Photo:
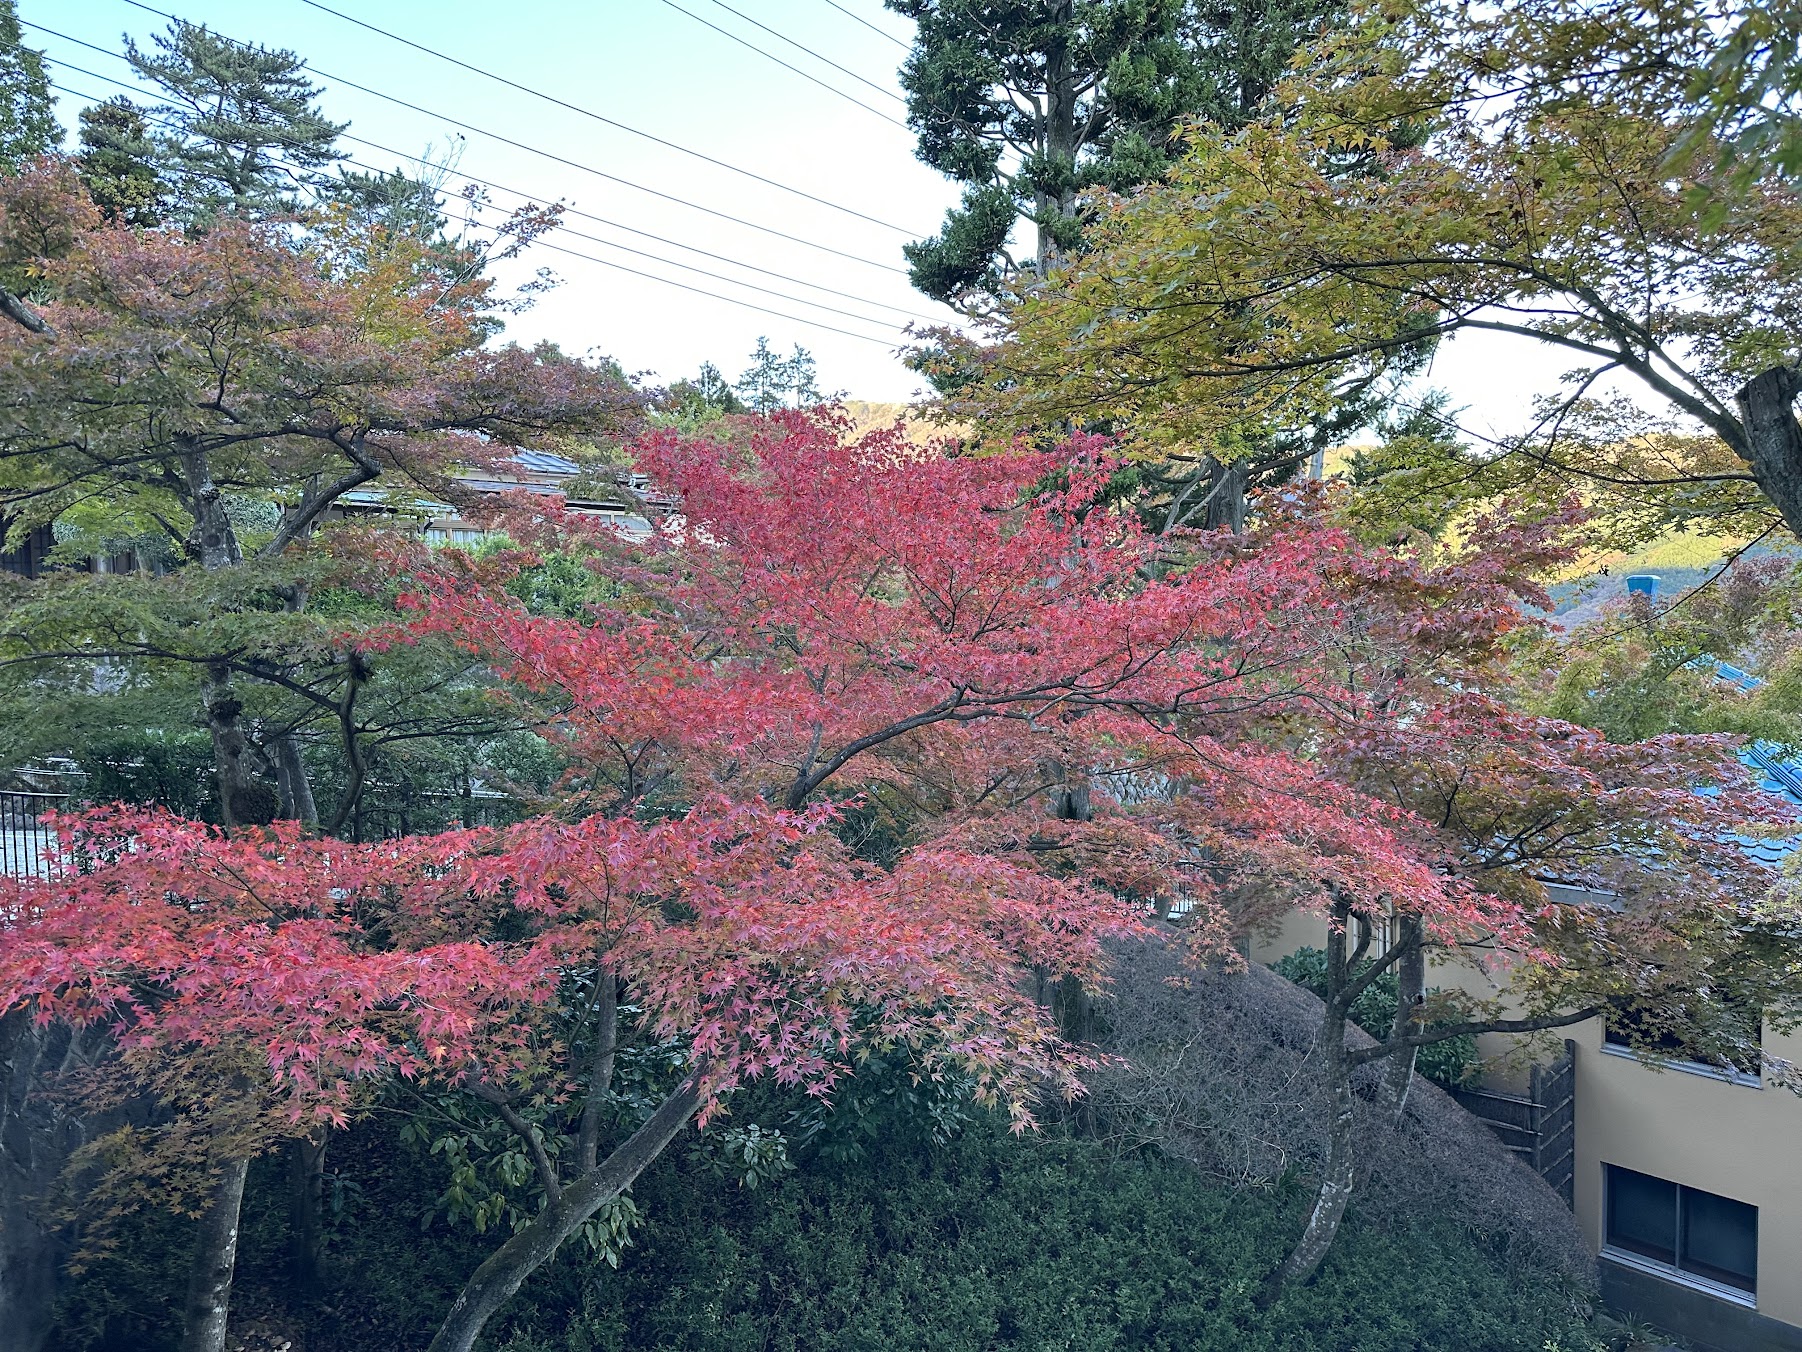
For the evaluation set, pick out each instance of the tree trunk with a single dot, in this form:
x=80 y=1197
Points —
x=1773 y=438
x=1410 y=992
x=1336 y=1178
x=36 y=1140
x=297 y=790
x=1226 y=498
x=495 y=1281
x=1059 y=137
x=306 y=1202
x=215 y=1258
x=214 y=542
x=243 y=799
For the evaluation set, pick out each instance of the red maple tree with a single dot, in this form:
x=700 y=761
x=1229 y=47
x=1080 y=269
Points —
x=1087 y=726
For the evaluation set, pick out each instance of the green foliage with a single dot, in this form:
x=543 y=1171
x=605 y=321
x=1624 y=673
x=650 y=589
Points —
x=1115 y=79
x=885 y=1106
x=27 y=124
x=995 y=1243
x=1645 y=669
x=118 y=163
x=694 y=404
x=1450 y=1062
x=248 y=132
x=773 y=381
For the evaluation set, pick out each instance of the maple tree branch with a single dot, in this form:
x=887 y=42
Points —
x=20 y=313
x=364 y=468
x=497 y=1098
x=1440 y=1032
x=600 y=1072
x=353 y=752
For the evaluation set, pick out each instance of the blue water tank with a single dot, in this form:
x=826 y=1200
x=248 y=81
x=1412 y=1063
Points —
x=1643 y=584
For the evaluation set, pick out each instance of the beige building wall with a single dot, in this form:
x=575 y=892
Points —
x=1739 y=1140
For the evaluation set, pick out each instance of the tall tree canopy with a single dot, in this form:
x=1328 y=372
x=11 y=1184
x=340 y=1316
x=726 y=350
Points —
x=246 y=135
x=1544 y=205
x=1026 y=104
x=27 y=120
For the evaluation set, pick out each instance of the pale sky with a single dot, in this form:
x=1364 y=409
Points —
x=647 y=64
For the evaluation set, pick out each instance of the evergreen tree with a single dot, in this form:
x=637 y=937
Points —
x=803 y=384
x=118 y=163
x=250 y=138
x=765 y=380
x=1027 y=103
x=27 y=125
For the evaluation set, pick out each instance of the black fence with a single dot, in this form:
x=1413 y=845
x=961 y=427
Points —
x=27 y=844
x=1542 y=1127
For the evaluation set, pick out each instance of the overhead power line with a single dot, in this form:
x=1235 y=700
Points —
x=567 y=163
x=430 y=165
x=574 y=253
x=603 y=119
x=880 y=32
x=798 y=46
x=770 y=56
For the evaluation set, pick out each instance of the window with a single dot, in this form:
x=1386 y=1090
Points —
x=1734 y=1046
x=1683 y=1230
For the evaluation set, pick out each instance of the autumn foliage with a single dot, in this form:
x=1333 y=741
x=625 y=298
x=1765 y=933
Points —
x=1072 y=728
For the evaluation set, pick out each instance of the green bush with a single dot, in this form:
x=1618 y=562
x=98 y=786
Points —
x=1041 y=1243
x=1450 y=1062
x=982 y=1243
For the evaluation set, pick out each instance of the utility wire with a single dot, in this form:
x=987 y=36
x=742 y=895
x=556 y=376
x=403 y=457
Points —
x=568 y=210
x=573 y=253
x=608 y=121
x=568 y=163
x=879 y=32
x=767 y=56
x=802 y=47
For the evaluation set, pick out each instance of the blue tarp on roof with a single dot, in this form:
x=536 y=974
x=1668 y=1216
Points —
x=1778 y=774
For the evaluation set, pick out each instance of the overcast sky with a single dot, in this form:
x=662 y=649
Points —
x=650 y=66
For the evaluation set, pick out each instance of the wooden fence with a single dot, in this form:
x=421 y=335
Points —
x=1542 y=1127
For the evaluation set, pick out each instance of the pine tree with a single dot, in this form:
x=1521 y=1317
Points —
x=118 y=163
x=27 y=125
x=249 y=137
x=765 y=380
x=1026 y=104
x=800 y=373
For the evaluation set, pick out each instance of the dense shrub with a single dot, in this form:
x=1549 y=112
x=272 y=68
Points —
x=1042 y=1243
x=1449 y=1063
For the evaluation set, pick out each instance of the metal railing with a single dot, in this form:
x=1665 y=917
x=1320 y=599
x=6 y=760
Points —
x=27 y=844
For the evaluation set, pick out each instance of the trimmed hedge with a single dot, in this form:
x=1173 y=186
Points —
x=1042 y=1243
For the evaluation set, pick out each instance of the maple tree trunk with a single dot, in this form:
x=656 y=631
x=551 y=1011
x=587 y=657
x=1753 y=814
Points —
x=495 y=1281
x=1411 y=990
x=297 y=790
x=242 y=801
x=1336 y=1176
x=215 y=1258
x=1335 y=1187
x=36 y=1140
x=1773 y=438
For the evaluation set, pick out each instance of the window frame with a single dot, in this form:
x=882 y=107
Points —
x=1675 y=1272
